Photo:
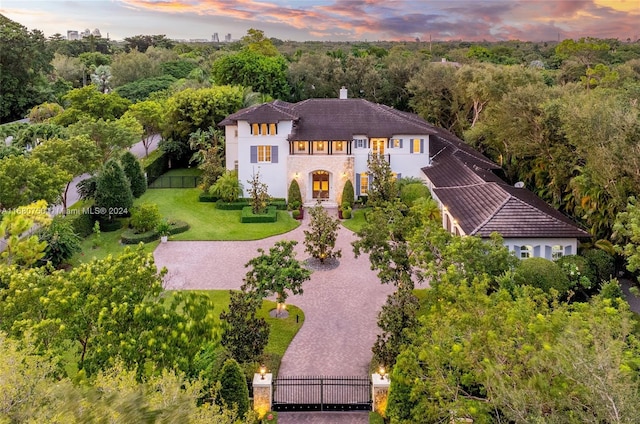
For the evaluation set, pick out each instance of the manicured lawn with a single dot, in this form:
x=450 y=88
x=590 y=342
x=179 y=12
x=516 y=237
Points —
x=356 y=222
x=283 y=330
x=109 y=245
x=209 y=223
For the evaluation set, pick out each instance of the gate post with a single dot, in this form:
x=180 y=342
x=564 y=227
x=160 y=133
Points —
x=380 y=392
x=262 y=393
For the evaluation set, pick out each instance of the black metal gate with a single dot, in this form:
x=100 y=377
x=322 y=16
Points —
x=322 y=393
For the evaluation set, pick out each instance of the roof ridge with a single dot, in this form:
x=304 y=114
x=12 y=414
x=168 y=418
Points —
x=491 y=215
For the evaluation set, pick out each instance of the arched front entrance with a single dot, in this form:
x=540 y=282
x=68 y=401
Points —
x=320 y=184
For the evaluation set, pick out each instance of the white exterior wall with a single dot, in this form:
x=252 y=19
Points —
x=231 y=146
x=542 y=247
x=272 y=174
x=402 y=161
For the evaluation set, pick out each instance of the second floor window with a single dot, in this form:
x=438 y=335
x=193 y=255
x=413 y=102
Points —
x=264 y=154
x=264 y=129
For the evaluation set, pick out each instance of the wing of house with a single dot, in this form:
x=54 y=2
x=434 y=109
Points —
x=322 y=143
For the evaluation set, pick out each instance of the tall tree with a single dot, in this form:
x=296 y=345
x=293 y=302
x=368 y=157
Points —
x=244 y=334
x=109 y=136
x=133 y=170
x=149 y=114
x=320 y=238
x=75 y=155
x=23 y=63
x=113 y=196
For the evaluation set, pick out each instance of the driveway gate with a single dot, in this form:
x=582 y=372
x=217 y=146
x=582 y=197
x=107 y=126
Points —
x=321 y=393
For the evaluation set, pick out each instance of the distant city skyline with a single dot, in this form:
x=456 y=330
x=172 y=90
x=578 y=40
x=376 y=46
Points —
x=335 y=20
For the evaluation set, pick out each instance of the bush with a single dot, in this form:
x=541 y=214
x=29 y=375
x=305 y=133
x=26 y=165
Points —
x=577 y=270
x=81 y=220
x=542 y=273
x=233 y=387
x=346 y=213
x=294 y=198
x=62 y=241
x=601 y=263
x=177 y=227
x=113 y=191
x=132 y=237
x=279 y=204
x=249 y=217
x=232 y=206
x=364 y=199
x=412 y=192
x=109 y=226
x=348 y=195
x=227 y=187
x=156 y=164
x=296 y=213
x=207 y=198
x=145 y=217
x=375 y=418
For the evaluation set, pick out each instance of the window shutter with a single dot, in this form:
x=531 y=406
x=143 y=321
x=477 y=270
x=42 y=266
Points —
x=389 y=143
x=567 y=250
x=401 y=143
x=274 y=154
x=547 y=252
x=398 y=176
x=422 y=145
x=357 y=184
x=536 y=251
x=410 y=146
x=254 y=154
x=517 y=250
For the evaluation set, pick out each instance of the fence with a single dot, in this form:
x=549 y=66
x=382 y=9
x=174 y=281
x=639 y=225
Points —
x=171 y=181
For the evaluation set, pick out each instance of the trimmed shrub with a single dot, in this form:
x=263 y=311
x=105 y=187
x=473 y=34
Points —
x=156 y=164
x=348 y=195
x=177 y=227
x=131 y=237
x=296 y=214
x=231 y=206
x=412 y=192
x=279 y=204
x=133 y=170
x=294 y=197
x=110 y=226
x=346 y=213
x=80 y=219
x=249 y=217
x=207 y=198
x=233 y=387
x=542 y=273
x=113 y=191
x=145 y=217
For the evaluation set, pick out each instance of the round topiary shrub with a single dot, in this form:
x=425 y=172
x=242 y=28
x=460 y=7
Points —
x=542 y=273
x=346 y=213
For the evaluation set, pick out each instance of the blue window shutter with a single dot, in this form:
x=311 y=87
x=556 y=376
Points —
x=357 y=184
x=547 y=252
x=398 y=176
x=516 y=249
x=274 y=154
x=567 y=250
x=422 y=145
x=410 y=146
x=254 y=154
x=536 y=251
x=401 y=143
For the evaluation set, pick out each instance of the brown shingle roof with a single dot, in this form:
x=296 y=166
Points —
x=265 y=113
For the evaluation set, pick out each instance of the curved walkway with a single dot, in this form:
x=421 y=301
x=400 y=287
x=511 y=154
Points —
x=340 y=305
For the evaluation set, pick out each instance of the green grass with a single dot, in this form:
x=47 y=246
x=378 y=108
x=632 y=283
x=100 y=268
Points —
x=209 y=223
x=283 y=330
x=109 y=245
x=356 y=222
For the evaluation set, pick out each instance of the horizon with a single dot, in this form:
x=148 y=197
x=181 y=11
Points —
x=335 y=20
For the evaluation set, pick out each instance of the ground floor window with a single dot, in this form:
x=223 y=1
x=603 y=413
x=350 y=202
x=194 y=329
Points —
x=557 y=252
x=364 y=183
x=526 y=252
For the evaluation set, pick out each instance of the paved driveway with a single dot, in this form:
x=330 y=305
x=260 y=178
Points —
x=340 y=305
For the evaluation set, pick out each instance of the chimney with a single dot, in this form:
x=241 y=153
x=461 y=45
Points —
x=343 y=93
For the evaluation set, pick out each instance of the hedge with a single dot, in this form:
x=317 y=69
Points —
x=249 y=217
x=242 y=203
x=131 y=237
x=109 y=226
x=178 y=227
x=206 y=197
x=156 y=164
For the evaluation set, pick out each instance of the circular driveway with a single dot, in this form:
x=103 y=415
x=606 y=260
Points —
x=340 y=305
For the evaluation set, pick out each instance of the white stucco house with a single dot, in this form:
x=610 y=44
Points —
x=322 y=143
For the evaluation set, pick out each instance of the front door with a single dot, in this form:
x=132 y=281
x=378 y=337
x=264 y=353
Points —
x=321 y=185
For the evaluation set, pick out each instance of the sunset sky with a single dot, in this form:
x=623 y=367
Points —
x=345 y=20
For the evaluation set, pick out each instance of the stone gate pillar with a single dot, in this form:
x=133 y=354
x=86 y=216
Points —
x=262 y=393
x=380 y=392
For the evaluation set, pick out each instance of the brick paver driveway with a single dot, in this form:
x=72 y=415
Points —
x=340 y=305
